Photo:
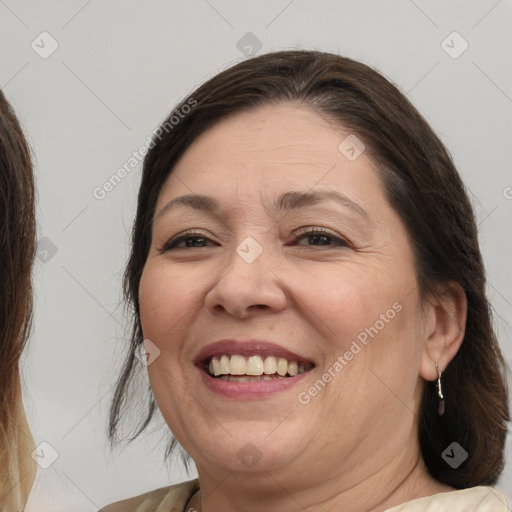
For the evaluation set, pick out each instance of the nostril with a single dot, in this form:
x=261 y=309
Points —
x=240 y=312
x=258 y=306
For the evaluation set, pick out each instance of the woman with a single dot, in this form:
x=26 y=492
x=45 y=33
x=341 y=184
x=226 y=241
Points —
x=17 y=250
x=306 y=277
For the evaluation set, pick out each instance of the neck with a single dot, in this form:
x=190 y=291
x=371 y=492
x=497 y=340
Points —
x=394 y=483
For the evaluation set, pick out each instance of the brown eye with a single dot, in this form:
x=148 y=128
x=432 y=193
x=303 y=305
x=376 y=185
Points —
x=322 y=237
x=185 y=241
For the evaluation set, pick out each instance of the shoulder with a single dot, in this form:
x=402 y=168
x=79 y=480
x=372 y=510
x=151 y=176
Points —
x=175 y=496
x=474 y=499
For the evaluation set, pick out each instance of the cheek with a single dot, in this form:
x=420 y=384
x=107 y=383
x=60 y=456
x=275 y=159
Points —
x=165 y=301
x=345 y=301
x=370 y=319
x=165 y=297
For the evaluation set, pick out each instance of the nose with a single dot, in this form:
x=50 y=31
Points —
x=246 y=289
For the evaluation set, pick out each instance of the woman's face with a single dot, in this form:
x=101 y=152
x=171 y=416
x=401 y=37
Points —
x=292 y=262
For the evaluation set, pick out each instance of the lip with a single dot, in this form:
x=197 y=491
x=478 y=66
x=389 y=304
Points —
x=248 y=390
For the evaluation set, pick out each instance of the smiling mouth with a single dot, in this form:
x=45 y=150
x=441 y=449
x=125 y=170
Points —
x=239 y=368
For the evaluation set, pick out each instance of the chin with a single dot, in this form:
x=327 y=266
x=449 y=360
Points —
x=249 y=448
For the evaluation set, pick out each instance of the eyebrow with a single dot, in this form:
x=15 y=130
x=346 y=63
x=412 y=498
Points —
x=292 y=200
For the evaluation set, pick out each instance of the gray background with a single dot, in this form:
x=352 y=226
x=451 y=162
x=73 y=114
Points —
x=118 y=70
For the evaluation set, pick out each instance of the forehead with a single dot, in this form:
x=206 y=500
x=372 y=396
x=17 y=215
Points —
x=270 y=148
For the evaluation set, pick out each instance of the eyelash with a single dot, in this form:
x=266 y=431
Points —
x=300 y=235
x=171 y=244
x=304 y=233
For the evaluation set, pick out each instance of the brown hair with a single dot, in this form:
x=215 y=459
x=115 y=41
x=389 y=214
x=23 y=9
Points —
x=17 y=251
x=421 y=184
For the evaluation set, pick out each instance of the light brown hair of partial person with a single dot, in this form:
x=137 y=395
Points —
x=422 y=185
x=17 y=251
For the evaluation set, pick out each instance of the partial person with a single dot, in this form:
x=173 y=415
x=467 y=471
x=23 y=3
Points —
x=17 y=251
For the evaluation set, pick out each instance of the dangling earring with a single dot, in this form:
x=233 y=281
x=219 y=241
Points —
x=440 y=410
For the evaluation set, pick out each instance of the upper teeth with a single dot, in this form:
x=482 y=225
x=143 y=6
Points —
x=253 y=365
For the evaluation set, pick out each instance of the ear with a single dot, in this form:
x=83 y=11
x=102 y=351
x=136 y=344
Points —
x=445 y=314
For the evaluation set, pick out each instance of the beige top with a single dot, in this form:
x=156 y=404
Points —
x=175 y=497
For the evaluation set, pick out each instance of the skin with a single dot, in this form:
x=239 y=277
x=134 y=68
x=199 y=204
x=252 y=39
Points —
x=354 y=446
